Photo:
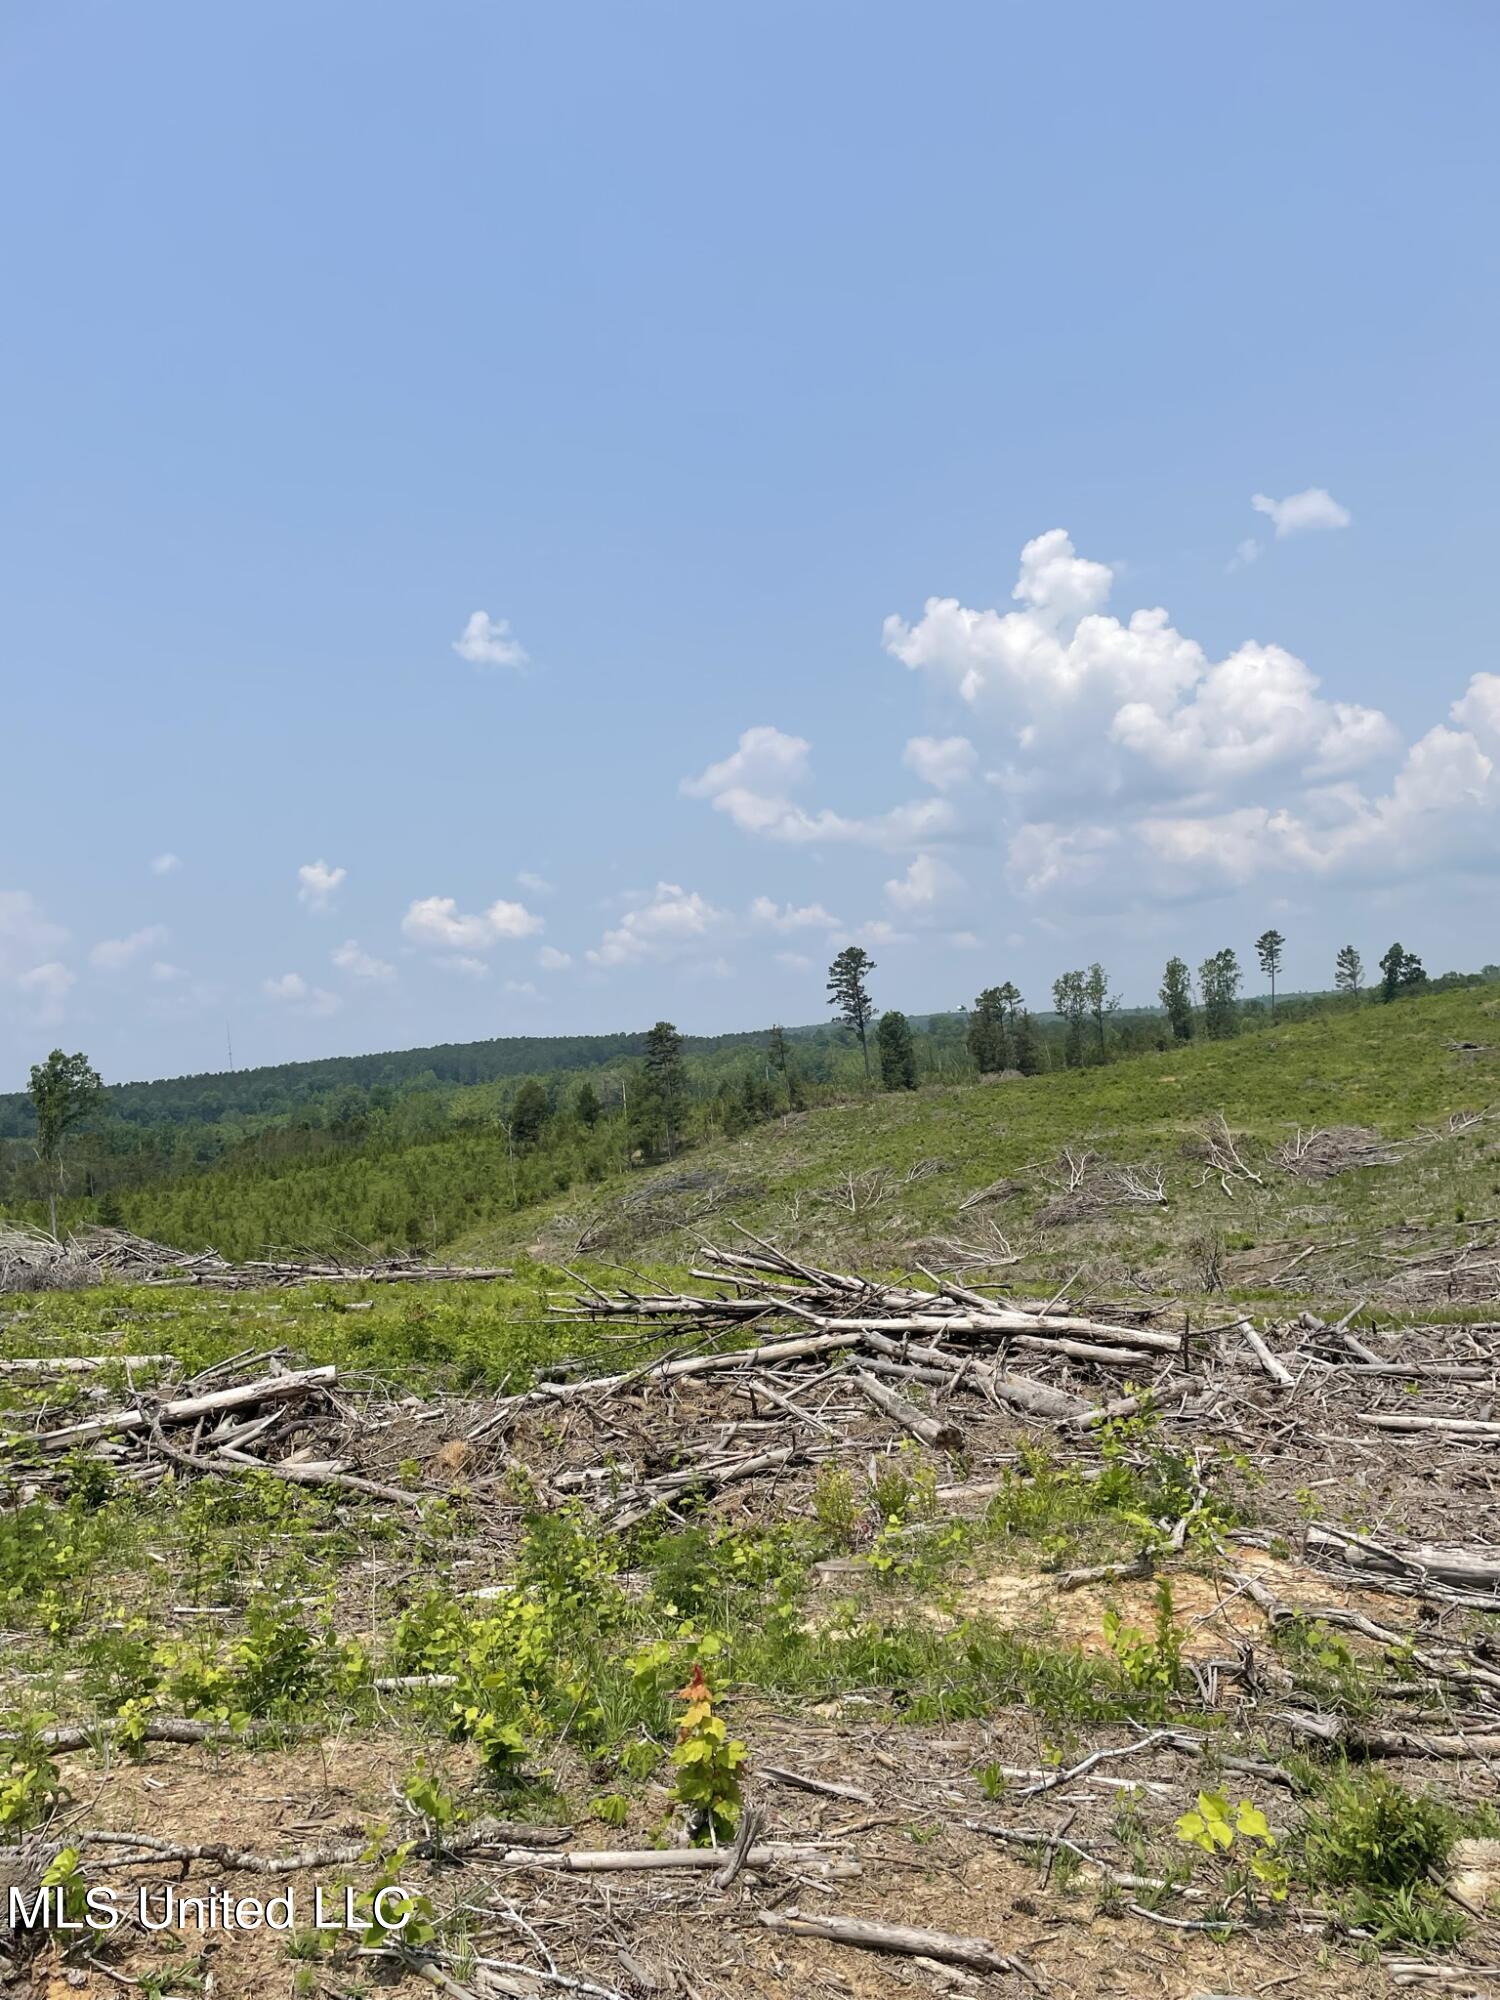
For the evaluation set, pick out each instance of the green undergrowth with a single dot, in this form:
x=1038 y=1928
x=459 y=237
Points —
x=606 y=1674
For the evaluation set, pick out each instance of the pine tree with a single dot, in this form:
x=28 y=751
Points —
x=1401 y=973
x=848 y=992
x=657 y=1113
x=529 y=1112
x=780 y=1059
x=586 y=1106
x=1348 y=971
x=1028 y=1046
x=1219 y=983
x=1268 y=949
x=1070 y=997
x=1392 y=970
x=898 y=1056
x=64 y=1089
x=1099 y=998
x=988 y=1037
x=1177 y=999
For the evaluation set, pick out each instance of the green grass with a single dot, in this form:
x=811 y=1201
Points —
x=1386 y=1068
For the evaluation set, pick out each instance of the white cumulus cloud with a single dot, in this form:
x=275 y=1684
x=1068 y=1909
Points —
x=437 y=923
x=926 y=883
x=110 y=954
x=317 y=884
x=350 y=957
x=488 y=642
x=941 y=761
x=48 y=983
x=1303 y=512
x=550 y=959
x=290 y=989
x=27 y=935
x=1081 y=705
x=753 y=785
x=769 y=914
x=658 y=925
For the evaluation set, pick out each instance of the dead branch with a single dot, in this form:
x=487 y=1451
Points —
x=977 y=1953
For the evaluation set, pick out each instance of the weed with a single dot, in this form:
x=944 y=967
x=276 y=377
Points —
x=1153 y=1665
x=835 y=1508
x=30 y=1787
x=708 y=1762
x=992 y=1780
x=64 y=1873
x=1214 y=1828
x=1327 y=1670
x=427 y=1795
x=1386 y=1846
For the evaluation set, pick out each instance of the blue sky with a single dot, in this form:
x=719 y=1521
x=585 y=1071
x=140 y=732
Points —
x=690 y=345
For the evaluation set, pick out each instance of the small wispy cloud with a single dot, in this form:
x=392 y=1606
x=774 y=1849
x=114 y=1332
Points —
x=48 y=984
x=317 y=884
x=1302 y=513
x=488 y=642
x=1249 y=551
x=350 y=957
x=290 y=989
x=165 y=864
x=437 y=922
x=111 y=954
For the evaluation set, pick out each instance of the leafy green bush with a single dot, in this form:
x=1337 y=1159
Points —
x=1386 y=1846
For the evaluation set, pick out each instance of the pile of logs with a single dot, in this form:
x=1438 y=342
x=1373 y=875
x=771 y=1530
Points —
x=207 y=1426
x=950 y=1338
x=30 y=1260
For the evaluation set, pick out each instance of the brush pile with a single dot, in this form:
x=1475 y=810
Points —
x=32 y=1261
x=952 y=1337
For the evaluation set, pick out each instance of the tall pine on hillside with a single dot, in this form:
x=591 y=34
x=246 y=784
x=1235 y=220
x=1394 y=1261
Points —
x=849 y=993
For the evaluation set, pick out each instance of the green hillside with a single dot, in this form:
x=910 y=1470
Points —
x=885 y=1176
x=884 y=1180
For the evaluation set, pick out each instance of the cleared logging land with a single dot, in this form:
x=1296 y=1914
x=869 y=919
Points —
x=1026 y=1536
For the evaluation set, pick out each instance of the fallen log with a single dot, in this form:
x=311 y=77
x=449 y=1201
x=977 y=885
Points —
x=1473 y=1427
x=977 y=1953
x=269 y=1389
x=1361 y=1740
x=1279 y=1373
x=1420 y=1563
x=226 y=1462
x=823 y=1787
x=458 y=1840
x=81 y=1364
x=934 y=1431
x=607 y=1861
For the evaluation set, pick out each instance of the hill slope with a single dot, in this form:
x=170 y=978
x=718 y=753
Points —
x=1402 y=1145
x=886 y=1176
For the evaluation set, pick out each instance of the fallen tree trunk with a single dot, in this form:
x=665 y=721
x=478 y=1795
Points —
x=81 y=1364
x=1279 y=1373
x=458 y=1840
x=977 y=1953
x=270 y=1389
x=933 y=1431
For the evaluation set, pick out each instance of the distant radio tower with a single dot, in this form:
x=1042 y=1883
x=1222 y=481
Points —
x=228 y=1043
